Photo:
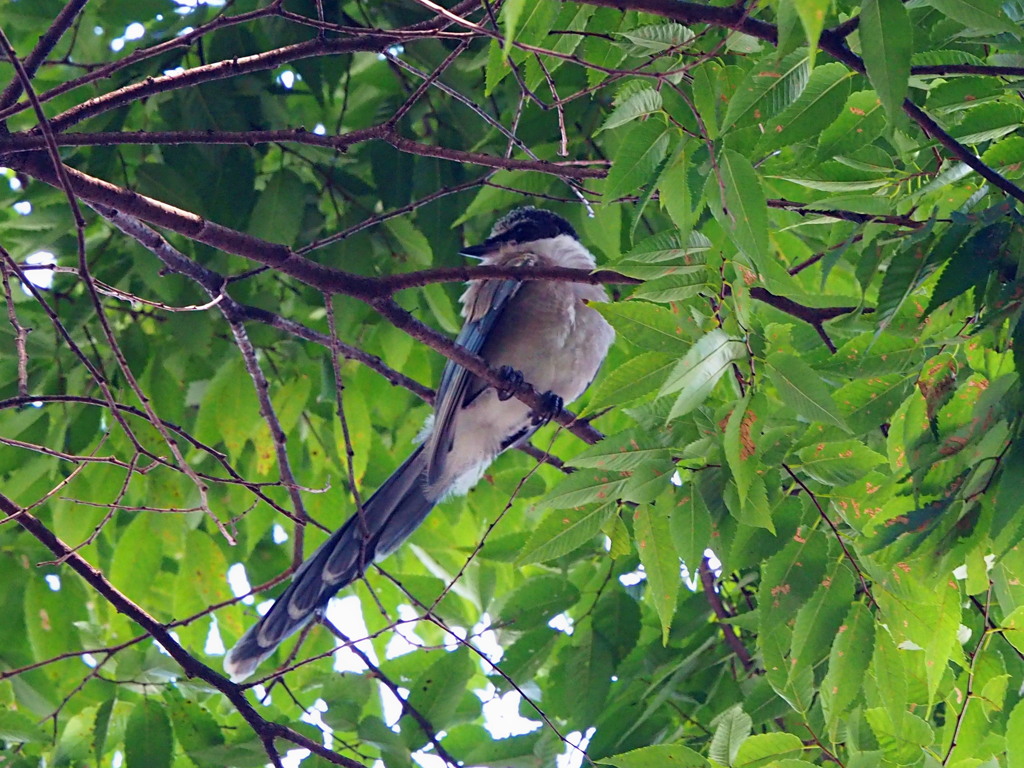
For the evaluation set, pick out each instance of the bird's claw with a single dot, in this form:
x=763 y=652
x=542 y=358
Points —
x=550 y=406
x=512 y=379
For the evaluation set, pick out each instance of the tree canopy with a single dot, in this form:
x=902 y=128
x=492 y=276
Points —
x=781 y=529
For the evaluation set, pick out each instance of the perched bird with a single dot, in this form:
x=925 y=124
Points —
x=543 y=331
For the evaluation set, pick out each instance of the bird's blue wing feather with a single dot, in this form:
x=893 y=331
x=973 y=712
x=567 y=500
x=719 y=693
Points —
x=455 y=381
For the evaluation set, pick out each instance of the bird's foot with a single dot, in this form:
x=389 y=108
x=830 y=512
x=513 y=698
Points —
x=550 y=406
x=512 y=379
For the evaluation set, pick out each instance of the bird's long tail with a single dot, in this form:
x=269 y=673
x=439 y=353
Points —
x=387 y=519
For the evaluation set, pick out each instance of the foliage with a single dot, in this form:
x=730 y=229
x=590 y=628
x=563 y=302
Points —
x=798 y=541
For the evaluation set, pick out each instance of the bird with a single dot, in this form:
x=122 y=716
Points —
x=542 y=332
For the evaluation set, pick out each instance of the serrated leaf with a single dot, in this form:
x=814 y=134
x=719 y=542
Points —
x=657 y=756
x=653 y=39
x=768 y=88
x=649 y=326
x=839 y=463
x=700 y=369
x=563 y=530
x=818 y=105
x=740 y=448
x=732 y=729
x=1015 y=737
x=583 y=487
x=660 y=561
x=638 y=376
x=889 y=671
x=511 y=13
x=861 y=121
x=887 y=41
x=639 y=104
x=671 y=246
x=148 y=740
x=866 y=403
x=987 y=122
x=764 y=748
x=275 y=218
x=812 y=15
x=902 y=741
x=436 y=693
x=744 y=212
x=673 y=287
x=639 y=155
x=537 y=600
x=982 y=15
x=802 y=389
x=626 y=451
x=690 y=525
x=848 y=663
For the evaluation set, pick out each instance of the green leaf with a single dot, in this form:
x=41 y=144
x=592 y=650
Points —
x=537 y=600
x=848 y=664
x=1015 y=737
x=18 y=728
x=671 y=246
x=818 y=105
x=673 y=288
x=653 y=39
x=802 y=389
x=637 y=377
x=743 y=212
x=131 y=568
x=202 y=582
x=639 y=104
x=582 y=678
x=1013 y=628
x=229 y=411
x=148 y=740
x=690 y=525
x=903 y=741
x=886 y=39
x=731 y=730
x=563 y=530
x=764 y=748
x=889 y=670
x=274 y=217
x=981 y=15
x=700 y=369
x=511 y=13
x=582 y=488
x=660 y=561
x=866 y=403
x=627 y=451
x=657 y=756
x=839 y=463
x=649 y=326
x=861 y=121
x=436 y=693
x=639 y=155
x=768 y=88
x=195 y=729
x=812 y=15
x=740 y=447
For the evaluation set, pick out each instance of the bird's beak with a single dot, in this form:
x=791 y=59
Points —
x=476 y=251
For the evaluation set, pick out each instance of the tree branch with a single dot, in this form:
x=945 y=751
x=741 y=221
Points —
x=193 y=668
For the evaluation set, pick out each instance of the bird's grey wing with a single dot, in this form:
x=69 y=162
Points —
x=490 y=303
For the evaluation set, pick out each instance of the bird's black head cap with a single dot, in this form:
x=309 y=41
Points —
x=523 y=225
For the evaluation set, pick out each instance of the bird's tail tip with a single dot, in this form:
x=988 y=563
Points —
x=238 y=665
